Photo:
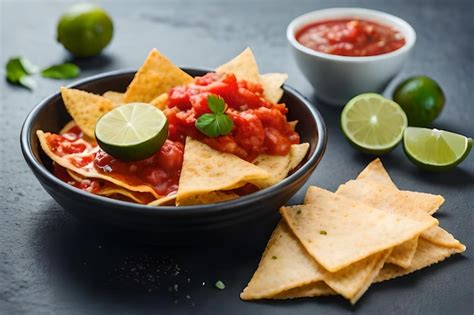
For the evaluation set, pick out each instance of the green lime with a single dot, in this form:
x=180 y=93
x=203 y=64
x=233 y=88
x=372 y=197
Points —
x=85 y=29
x=421 y=98
x=133 y=131
x=435 y=149
x=372 y=123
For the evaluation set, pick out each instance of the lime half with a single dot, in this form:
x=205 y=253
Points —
x=435 y=149
x=133 y=131
x=372 y=123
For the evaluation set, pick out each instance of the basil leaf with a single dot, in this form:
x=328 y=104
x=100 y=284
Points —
x=224 y=124
x=207 y=125
x=62 y=71
x=17 y=71
x=216 y=104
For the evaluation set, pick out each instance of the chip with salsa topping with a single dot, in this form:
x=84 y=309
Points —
x=259 y=149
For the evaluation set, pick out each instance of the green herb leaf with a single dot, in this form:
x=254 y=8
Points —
x=62 y=71
x=17 y=71
x=274 y=257
x=323 y=232
x=217 y=123
x=220 y=285
x=207 y=124
x=216 y=104
x=224 y=124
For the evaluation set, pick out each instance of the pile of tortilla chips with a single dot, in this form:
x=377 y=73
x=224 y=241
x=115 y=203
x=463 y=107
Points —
x=207 y=175
x=368 y=231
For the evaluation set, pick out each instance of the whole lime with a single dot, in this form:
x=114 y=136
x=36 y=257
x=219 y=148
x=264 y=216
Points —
x=85 y=30
x=421 y=98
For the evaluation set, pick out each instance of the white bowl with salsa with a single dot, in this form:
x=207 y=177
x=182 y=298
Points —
x=347 y=51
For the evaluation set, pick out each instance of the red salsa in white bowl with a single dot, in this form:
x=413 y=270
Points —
x=344 y=52
x=350 y=37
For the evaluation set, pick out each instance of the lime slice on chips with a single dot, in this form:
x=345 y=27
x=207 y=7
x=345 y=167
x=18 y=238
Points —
x=372 y=123
x=133 y=131
x=435 y=149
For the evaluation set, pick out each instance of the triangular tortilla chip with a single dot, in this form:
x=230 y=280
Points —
x=115 y=97
x=68 y=161
x=207 y=198
x=376 y=172
x=161 y=101
x=244 y=67
x=164 y=201
x=392 y=200
x=108 y=189
x=156 y=76
x=426 y=255
x=285 y=265
x=318 y=288
x=206 y=170
x=271 y=83
x=338 y=231
x=85 y=108
x=280 y=165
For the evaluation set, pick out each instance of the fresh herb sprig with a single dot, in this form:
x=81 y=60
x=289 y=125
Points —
x=216 y=123
x=19 y=71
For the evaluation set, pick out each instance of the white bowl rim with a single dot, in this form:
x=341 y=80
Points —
x=388 y=19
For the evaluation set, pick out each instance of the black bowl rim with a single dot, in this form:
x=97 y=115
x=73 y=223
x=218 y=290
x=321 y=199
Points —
x=39 y=168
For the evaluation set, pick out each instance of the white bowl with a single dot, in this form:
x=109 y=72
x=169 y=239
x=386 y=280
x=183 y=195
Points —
x=336 y=79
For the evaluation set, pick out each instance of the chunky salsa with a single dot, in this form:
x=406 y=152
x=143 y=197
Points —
x=350 y=37
x=259 y=127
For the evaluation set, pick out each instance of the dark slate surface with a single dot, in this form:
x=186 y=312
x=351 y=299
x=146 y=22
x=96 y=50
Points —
x=51 y=263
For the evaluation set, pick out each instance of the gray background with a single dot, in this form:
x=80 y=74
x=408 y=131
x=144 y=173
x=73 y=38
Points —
x=51 y=263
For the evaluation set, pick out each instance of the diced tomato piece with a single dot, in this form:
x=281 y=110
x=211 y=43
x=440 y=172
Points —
x=248 y=131
x=276 y=143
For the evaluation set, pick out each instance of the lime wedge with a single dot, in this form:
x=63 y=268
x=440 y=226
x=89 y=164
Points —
x=435 y=149
x=372 y=123
x=133 y=131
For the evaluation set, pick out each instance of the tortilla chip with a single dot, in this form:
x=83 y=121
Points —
x=66 y=161
x=297 y=154
x=207 y=198
x=156 y=76
x=376 y=172
x=164 y=201
x=318 y=288
x=293 y=124
x=438 y=236
x=426 y=255
x=161 y=101
x=271 y=83
x=338 y=231
x=138 y=197
x=244 y=67
x=392 y=200
x=206 y=170
x=285 y=265
x=280 y=165
x=115 y=97
x=85 y=108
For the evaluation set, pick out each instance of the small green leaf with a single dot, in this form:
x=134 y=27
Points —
x=17 y=71
x=62 y=71
x=224 y=124
x=28 y=82
x=322 y=232
x=220 y=285
x=216 y=104
x=207 y=125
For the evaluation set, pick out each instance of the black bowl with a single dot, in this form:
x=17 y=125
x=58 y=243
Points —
x=51 y=115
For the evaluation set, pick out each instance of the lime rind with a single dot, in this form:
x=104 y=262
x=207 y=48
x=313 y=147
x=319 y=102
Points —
x=434 y=149
x=372 y=123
